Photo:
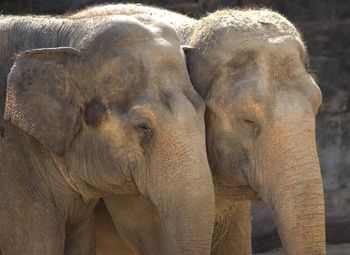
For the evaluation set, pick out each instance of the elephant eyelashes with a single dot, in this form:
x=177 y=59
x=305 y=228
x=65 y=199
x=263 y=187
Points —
x=147 y=133
x=251 y=125
x=248 y=122
x=96 y=112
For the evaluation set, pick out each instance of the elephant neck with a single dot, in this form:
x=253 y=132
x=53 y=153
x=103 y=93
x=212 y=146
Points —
x=33 y=177
x=74 y=182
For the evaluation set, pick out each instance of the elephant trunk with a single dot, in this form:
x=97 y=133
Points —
x=289 y=180
x=183 y=193
x=187 y=218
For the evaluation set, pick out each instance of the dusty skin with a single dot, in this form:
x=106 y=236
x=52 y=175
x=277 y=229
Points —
x=95 y=107
x=250 y=66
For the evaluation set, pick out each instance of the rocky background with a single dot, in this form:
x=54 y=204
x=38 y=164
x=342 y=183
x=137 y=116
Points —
x=326 y=28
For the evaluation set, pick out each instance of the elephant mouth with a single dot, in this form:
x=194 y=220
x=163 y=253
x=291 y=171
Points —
x=239 y=192
x=128 y=188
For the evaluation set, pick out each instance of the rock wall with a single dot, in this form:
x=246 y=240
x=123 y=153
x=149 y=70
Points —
x=326 y=29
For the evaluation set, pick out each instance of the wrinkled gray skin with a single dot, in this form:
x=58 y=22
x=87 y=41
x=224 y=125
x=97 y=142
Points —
x=266 y=101
x=95 y=107
x=250 y=68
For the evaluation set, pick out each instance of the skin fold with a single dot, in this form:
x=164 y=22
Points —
x=251 y=68
x=94 y=107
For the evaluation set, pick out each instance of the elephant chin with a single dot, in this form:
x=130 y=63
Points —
x=288 y=178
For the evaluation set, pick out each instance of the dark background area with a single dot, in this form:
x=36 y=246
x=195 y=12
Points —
x=326 y=29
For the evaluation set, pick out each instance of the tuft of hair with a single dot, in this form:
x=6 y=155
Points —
x=256 y=22
x=143 y=13
x=130 y=9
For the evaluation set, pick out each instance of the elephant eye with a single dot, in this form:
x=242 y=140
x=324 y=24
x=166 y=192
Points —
x=248 y=121
x=251 y=126
x=147 y=133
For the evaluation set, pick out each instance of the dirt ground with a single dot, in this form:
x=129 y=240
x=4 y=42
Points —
x=339 y=249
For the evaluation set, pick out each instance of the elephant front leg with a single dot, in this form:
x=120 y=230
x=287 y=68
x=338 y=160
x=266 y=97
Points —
x=232 y=231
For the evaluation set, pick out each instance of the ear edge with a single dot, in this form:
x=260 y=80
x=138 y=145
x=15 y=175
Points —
x=47 y=51
x=15 y=117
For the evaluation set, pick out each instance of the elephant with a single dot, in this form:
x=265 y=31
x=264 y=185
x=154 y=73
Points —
x=93 y=107
x=251 y=68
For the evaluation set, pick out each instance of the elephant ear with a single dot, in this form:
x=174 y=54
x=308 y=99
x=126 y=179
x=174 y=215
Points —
x=41 y=98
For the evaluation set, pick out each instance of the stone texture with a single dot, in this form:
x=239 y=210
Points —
x=342 y=249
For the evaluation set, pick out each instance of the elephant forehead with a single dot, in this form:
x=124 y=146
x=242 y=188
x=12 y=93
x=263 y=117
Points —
x=230 y=23
x=116 y=78
x=134 y=72
x=274 y=60
x=285 y=69
x=126 y=57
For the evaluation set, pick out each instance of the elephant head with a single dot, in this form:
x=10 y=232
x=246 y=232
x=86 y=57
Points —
x=251 y=69
x=119 y=115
